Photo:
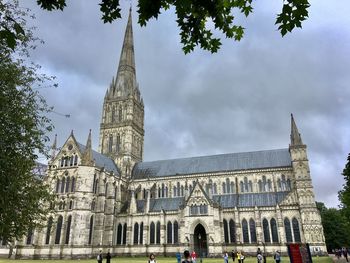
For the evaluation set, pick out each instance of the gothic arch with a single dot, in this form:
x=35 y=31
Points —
x=196 y=222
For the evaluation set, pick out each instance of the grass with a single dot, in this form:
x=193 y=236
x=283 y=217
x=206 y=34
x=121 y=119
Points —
x=164 y=260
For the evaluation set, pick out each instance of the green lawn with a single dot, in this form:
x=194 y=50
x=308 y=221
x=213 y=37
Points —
x=165 y=260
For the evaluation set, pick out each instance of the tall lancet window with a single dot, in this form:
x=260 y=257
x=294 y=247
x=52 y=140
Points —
x=113 y=114
x=118 y=144
x=266 y=230
x=110 y=143
x=296 y=230
x=120 y=114
x=58 y=230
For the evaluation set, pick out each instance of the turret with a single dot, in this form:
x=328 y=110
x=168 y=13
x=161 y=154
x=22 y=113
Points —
x=87 y=158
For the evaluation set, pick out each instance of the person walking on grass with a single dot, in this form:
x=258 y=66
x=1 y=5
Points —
x=225 y=257
x=152 y=258
x=108 y=257
x=99 y=257
x=187 y=257
x=277 y=257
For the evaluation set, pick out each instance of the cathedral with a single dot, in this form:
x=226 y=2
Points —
x=111 y=199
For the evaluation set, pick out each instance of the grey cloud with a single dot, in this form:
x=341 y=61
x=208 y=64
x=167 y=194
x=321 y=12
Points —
x=239 y=99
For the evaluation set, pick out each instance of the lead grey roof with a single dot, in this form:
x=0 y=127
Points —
x=101 y=160
x=213 y=163
x=166 y=204
x=225 y=201
x=250 y=199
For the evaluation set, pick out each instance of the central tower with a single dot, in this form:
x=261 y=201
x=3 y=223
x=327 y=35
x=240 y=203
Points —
x=121 y=129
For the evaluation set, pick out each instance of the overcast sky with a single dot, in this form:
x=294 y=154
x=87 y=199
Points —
x=237 y=100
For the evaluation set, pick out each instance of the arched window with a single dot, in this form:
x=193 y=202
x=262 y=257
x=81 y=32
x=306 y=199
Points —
x=250 y=186
x=62 y=161
x=260 y=183
x=223 y=188
x=269 y=185
x=228 y=185
x=119 y=234
x=71 y=160
x=182 y=190
x=48 y=231
x=279 y=185
x=93 y=184
x=113 y=114
x=71 y=204
x=215 y=189
x=96 y=186
x=91 y=228
x=232 y=187
x=266 y=231
x=176 y=232
x=166 y=191
x=66 y=161
x=63 y=184
x=106 y=189
x=57 y=185
x=296 y=230
x=76 y=159
x=120 y=115
x=178 y=189
x=169 y=233
x=118 y=143
x=232 y=231
x=73 y=185
x=58 y=230
x=241 y=186
x=136 y=233
x=225 y=231
x=30 y=236
x=246 y=186
x=124 y=233
x=174 y=191
x=274 y=230
x=152 y=232
x=158 y=233
x=252 y=231
x=110 y=143
x=245 y=231
x=288 y=230
x=141 y=233
x=67 y=184
x=69 y=223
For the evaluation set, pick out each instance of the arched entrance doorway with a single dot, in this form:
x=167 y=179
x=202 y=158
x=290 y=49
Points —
x=200 y=241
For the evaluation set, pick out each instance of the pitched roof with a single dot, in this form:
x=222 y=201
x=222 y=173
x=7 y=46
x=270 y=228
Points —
x=213 y=163
x=101 y=160
x=225 y=201
x=250 y=199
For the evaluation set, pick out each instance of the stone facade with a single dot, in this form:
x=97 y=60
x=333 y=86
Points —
x=112 y=200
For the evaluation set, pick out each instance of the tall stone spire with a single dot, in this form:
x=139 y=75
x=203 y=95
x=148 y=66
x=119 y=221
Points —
x=122 y=122
x=87 y=158
x=125 y=84
x=295 y=138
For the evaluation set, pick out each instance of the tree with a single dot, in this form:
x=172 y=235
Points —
x=193 y=17
x=336 y=227
x=344 y=195
x=23 y=128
